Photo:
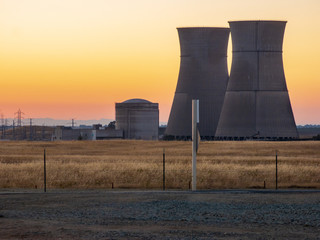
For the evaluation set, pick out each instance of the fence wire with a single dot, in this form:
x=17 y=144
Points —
x=209 y=176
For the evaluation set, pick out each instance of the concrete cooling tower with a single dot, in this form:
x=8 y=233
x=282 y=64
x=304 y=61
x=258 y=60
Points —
x=257 y=103
x=203 y=75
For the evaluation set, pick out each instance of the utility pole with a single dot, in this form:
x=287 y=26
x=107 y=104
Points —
x=5 y=127
x=13 y=131
x=2 y=126
x=30 y=129
x=43 y=132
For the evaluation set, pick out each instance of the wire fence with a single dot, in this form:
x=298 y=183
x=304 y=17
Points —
x=271 y=173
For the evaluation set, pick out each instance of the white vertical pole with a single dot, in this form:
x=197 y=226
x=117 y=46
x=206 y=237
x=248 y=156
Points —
x=195 y=109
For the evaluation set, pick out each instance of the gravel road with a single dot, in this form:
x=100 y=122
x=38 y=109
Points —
x=100 y=214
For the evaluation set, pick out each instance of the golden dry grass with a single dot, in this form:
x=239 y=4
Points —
x=138 y=164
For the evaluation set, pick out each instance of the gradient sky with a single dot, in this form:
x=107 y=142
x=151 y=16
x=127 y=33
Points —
x=75 y=58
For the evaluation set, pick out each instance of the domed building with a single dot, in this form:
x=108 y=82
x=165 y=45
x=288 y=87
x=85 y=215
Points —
x=138 y=118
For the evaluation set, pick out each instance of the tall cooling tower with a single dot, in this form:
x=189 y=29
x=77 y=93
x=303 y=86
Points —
x=203 y=75
x=257 y=103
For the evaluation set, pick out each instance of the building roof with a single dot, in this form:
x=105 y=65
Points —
x=136 y=100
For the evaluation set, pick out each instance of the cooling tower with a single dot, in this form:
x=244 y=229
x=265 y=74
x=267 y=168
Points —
x=257 y=103
x=203 y=75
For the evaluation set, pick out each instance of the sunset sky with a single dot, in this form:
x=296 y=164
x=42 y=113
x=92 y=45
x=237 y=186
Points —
x=68 y=59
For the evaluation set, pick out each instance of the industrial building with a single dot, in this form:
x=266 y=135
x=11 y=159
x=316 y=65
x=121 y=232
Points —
x=203 y=75
x=96 y=132
x=257 y=104
x=138 y=118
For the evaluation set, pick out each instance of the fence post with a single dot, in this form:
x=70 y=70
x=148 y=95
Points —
x=44 y=171
x=276 y=170
x=164 y=170
x=195 y=120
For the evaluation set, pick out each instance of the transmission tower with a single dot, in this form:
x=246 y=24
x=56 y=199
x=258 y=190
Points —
x=73 y=123
x=2 y=125
x=5 y=127
x=19 y=117
x=13 y=131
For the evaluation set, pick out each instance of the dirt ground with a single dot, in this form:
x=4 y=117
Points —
x=100 y=214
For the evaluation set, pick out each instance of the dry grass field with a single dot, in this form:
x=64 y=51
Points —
x=138 y=164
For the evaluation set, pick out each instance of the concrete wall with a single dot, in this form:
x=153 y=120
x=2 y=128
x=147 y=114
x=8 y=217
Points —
x=257 y=103
x=203 y=75
x=138 y=120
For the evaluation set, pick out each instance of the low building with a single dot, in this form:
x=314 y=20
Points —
x=69 y=133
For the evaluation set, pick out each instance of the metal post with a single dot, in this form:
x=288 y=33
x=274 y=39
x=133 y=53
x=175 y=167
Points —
x=276 y=170
x=164 y=170
x=195 y=119
x=44 y=171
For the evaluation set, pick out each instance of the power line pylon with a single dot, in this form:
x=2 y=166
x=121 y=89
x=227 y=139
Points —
x=5 y=127
x=13 y=131
x=19 y=117
x=73 y=123
x=2 y=126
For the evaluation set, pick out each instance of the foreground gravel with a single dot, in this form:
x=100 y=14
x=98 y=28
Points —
x=103 y=214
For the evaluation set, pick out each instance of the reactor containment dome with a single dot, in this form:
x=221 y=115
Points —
x=257 y=103
x=138 y=118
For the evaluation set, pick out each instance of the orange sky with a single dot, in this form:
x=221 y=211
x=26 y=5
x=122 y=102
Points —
x=76 y=58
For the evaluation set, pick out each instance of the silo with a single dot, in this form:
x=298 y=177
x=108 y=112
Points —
x=257 y=103
x=203 y=75
x=138 y=118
